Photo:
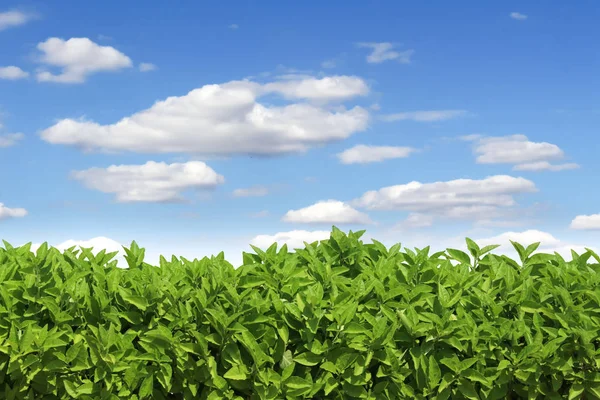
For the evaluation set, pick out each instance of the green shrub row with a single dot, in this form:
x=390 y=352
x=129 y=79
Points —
x=338 y=319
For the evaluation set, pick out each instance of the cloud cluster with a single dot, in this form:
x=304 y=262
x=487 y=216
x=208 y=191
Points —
x=14 y=18
x=461 y=199
x=6 y=212
x=329 y=88
x=12 y=73
x=151 y=182
x=457 y=197
x=520 y=151
x=78 y=58
x=328 y=212
x=363 y=154
x=586 y=222
x=226 y=119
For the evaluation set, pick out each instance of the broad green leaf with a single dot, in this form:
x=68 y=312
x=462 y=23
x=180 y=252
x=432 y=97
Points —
x=459 y=255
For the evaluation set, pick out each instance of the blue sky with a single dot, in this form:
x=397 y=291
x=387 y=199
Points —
x=204 y=128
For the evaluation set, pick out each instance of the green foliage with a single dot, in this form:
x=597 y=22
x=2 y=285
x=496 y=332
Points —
x=337 y=319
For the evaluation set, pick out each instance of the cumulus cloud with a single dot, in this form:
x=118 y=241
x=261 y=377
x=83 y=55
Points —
x=586 y=222
x=363 y=154
x=460 y=198
x=294 y=239
x=518 y=16
x=12 y=73
x=10 y=139
x=78 y=58
x=424 y=116
x=6 y=212
x=327 y=211
x=384 y=52
x=146 y=67
x=325 y=89
x=254 y=191
x=13 y=18
x=517 y=149
x=222 y=119
x=150 y=182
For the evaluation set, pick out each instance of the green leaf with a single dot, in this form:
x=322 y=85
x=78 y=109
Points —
x=138 y=301
x=286 y=360
x=237 y=372
x=71 y=388
x=473 y=247
x=147 y=387
x=459 y=255
x=488 y=248
x=520 y=250
x=435 y=374
x=295 y=382
x=576 y=390
x=308 y=359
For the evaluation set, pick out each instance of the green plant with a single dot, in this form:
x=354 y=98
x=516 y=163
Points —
x=338 y=319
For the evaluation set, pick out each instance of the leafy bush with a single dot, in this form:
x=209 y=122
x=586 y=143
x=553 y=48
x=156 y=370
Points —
x=339 y=319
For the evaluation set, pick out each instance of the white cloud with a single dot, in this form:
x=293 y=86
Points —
x=424 y=116
x=294 y=239
x=254 y=191
x=213 y=120
x=517 y=149
x=10 y=19
x=12 y=73
x=459 y=199
x=146 y=67
x=150 y=182
x=518 y=16
x=10 y=139
x=6 y=212
x=78 y=58
x=586 y=222
x=327 y=211
x=362 y=154
x=325 y=89
x=384 y=52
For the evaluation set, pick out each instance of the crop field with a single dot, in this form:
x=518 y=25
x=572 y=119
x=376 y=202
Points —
x=338 y=319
